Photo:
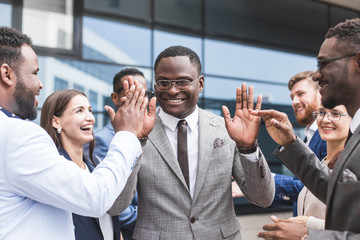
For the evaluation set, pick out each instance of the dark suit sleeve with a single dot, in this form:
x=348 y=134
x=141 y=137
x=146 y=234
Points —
x=287 y=190
x=333 y=235
x=301 y=161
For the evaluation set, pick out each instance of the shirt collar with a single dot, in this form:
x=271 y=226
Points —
x=171 y=121
x=355 y=122
x=7 y=113
x=310 y=129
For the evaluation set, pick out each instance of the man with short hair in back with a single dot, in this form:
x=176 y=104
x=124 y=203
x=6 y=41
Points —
x=103 y=137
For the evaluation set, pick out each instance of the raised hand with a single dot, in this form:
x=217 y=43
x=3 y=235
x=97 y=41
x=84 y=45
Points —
x=149 y=118
x=278 y=126
x=243 y=128
x=283 y=229
x=131 y=112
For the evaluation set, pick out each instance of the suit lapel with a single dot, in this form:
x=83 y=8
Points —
x=162 y=144
x=206 y=142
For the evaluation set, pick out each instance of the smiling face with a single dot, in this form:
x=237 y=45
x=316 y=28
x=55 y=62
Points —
x=177 y=103
x=76 y=122
x=27 y=85
x=335 y=131
x=338 y=79
x=305 y=99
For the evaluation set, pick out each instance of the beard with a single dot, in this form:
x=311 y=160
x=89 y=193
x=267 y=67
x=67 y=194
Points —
x=307 y=117
x=24 y=101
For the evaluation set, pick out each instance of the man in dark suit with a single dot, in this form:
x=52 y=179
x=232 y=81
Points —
x=339 y=76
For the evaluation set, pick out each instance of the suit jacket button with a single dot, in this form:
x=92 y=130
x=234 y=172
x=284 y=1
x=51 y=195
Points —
x=192 y=219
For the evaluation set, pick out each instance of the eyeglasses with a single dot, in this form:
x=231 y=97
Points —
x=332 y=116
x=321 y=63
x=181 y=84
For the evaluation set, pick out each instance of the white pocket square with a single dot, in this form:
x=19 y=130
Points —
x=349 y=176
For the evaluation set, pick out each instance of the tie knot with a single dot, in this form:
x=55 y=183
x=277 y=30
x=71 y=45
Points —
x=182 y=122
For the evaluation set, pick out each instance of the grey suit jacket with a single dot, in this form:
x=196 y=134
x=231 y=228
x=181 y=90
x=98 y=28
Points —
x=165 y=208
x=339 y=190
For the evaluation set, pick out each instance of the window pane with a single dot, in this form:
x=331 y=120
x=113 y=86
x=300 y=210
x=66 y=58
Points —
x=116 y=42
x=5 y=14
x=184 y=13
x=240 y=61
x=218 y=88
x=299 y=24
x=163 y=40
x=340 y=14
x=131 y=8
x=49 y=23
x=94 y=79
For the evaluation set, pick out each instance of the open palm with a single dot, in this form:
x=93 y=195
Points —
x=243 y=128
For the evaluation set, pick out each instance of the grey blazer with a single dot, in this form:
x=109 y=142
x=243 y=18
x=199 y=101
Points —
x=339 y=190
x=165 y=208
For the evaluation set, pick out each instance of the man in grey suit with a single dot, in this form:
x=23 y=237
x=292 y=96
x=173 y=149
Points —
x=196 y=204
x=339 y=78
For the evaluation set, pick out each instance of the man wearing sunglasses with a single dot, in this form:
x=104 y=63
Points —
x=184 y=182
x=338 y=75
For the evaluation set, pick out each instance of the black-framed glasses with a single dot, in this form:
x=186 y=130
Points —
x=181 y=84
x=321 y=63
x=332 y=116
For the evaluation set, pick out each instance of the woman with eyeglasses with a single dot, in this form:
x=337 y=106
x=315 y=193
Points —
x=67 y=117
x=333 y=125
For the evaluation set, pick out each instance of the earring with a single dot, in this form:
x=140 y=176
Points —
x=58 y=130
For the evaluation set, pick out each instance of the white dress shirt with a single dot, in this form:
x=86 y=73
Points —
x=170 y=124
x=355 y=122
x=39 y=189
x=309 y=131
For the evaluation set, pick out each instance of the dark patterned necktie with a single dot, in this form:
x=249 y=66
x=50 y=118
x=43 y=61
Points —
x=182 y=150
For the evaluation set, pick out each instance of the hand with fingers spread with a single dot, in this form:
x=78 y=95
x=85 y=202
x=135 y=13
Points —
x=283 y=229
x=130 y=114
x=278 y=126
x=243 y=128
x=149 y=118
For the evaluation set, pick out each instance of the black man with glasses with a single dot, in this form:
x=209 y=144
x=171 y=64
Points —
x=339 y=78
x=184 y=181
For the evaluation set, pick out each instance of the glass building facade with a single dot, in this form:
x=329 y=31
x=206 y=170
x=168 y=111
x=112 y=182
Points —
x=82 y=44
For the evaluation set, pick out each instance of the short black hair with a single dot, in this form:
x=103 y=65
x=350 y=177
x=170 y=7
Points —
x=122 y=73
x=11 y=41
x=175 y=51
x=347 y=34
